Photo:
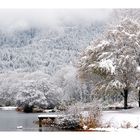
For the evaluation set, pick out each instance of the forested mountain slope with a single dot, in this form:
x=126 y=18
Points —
x=37 y=64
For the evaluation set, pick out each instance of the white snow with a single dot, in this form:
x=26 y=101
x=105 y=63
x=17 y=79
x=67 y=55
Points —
x=8 y=108
x=117 y=84
x=84 y=127
x=103 y=43
x=138 y=68
x=105 y=64
x=111 y=129
x=48 y=110
x=108 y=64
x=121 y=120
x=49 y=116
x=85 y=114
x=19 y=127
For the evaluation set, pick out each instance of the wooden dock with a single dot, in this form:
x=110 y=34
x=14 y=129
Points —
x=48 y=116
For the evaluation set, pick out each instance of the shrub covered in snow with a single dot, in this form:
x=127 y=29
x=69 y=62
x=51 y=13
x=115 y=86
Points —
x=69 y=123
x=81 y=116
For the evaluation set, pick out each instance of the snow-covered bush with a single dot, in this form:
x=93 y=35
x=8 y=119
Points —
x=29 y=94
x=69 y=123
x=81 y=116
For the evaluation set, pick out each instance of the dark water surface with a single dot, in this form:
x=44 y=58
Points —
x=11 y=120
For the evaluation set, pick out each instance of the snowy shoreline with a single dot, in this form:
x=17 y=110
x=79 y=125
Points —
x=122 y=119
x=8 y=108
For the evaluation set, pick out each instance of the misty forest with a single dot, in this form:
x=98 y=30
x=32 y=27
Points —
x=81 y=67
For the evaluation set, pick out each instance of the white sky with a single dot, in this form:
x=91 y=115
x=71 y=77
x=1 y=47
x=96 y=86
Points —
x=22 y=18
x=69 y=3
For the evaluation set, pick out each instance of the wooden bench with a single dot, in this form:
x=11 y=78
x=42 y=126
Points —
x=48 y=116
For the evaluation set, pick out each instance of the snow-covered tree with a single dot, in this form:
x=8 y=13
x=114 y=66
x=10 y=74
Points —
x=73 y=90
x=29 y=94
x=114 y=59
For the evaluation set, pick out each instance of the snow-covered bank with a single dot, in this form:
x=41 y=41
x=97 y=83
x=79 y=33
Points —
x=111 y=129
x=121 y=120
x=8 y=108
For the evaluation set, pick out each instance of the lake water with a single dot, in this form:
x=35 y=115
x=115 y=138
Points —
x=9 y=120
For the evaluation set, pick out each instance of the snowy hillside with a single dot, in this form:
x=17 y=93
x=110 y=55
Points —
x=34 y=54
x=45 y=49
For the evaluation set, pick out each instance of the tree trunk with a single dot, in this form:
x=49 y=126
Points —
x=139 y=98
x=125 y=98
